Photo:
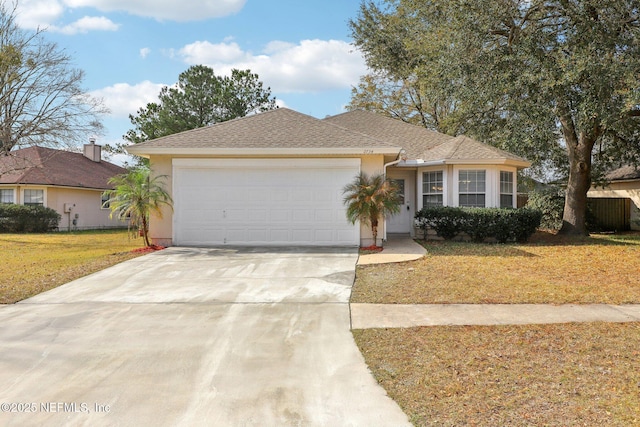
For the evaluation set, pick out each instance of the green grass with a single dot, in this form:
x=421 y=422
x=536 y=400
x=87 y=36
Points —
x=34 y=263
x=527 y=375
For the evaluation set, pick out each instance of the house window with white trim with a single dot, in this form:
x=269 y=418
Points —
x=472 y=188
x=506 y=189
x=432 y=189
x=6 y=196
x=105 y=201
x=33 y=197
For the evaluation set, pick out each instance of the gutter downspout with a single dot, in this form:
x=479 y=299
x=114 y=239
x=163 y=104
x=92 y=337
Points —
x=403 y=157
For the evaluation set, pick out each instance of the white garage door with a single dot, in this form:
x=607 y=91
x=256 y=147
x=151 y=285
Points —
x=262 y=202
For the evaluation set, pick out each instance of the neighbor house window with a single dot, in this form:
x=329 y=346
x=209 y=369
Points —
x=432 y=189
x=34 y=197
x=104 y=201
x=6 y=196
x=506 y=189
x=472 y=188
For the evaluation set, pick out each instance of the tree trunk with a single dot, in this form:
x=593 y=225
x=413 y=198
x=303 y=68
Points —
x=374 y=231
x=579 y=148
x=145 y=232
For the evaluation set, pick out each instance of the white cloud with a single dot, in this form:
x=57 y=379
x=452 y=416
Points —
x=86 y=24
x=171 y=10
x=38 y=13
x=45 y=13
x=124 y=99
x=309 y=66
x=144 y=52
x=204 y=52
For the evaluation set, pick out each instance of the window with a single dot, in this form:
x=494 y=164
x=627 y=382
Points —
x=506 y=189
x=34 y=197
x=6 y=195
x=104 y=201
x=471 y=188
x=432 y=189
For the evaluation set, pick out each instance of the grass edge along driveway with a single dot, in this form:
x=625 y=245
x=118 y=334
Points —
x=560 y=374
x=35 y=263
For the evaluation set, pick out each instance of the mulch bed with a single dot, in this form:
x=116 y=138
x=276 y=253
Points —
x=148 y=249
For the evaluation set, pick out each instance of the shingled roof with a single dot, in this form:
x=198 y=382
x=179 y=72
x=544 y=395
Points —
x=46 y=166
x=279 y=129
x=625 y=173
x=414 y=139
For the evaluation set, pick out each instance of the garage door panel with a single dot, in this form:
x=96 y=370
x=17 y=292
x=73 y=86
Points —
x=295 y=202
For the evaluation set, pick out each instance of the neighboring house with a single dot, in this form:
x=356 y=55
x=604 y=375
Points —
x=623 y=183
x=276 y=178
x=70 y=183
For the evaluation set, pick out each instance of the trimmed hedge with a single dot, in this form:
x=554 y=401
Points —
x=27 y=219
x=503 y=225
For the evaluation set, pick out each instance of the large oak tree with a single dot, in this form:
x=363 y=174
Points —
x=556 y=81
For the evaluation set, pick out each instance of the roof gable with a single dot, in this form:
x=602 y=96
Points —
x=424 y=144
x=279 y=129
x=414 y=139
x=46 y=166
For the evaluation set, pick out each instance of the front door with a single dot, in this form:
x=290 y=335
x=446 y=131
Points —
x=403 y=220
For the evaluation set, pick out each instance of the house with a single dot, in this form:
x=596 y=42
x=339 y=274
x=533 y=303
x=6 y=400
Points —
x=276 y=178
x=623 y=193
x=70 y=183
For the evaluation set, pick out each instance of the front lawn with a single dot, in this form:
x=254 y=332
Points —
x=34 y=263
x=556 y=375
x=534 y=375
x=600 y=269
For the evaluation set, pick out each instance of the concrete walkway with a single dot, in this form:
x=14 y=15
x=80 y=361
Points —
x=398 y=248
x=365 y=316
x=403 y=248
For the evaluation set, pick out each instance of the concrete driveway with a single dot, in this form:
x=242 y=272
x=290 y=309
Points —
x=188 y=337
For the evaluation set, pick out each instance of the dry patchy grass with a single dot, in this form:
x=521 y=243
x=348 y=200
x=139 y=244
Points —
x=34 y=263
x=600 y=269
x=555 y=375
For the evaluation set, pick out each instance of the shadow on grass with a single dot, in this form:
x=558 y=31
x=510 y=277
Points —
x=449 y=248
x=540 y=239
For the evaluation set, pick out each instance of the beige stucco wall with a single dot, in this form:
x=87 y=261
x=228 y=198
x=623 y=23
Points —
x=87 y=212
x=625 y=189
x=161 y=228
x=88 y=206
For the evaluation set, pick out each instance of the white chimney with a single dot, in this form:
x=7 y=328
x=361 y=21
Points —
x=92 y=151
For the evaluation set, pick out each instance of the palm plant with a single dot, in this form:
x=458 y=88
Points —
x=135 y=195
x=368 y=198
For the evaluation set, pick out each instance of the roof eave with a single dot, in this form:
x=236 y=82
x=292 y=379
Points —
x=504 y=161
x=498 y=161
x=200 y=151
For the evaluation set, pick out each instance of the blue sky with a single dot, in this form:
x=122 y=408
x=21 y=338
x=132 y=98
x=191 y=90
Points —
x=129 y=49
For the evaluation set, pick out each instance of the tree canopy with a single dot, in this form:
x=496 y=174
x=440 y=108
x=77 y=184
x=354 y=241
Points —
x=200 y=98
x=41 y=97
x=556 y=81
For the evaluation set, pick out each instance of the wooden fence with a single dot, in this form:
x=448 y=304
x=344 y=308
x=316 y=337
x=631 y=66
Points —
x=611 y=214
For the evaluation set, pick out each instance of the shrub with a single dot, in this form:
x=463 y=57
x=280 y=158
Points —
x=551 y=204
x=479 y=224
x=446 y=221
x=27 y=219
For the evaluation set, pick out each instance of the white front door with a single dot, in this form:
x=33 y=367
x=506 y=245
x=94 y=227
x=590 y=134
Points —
x=403 y=220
